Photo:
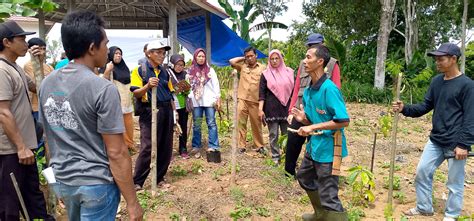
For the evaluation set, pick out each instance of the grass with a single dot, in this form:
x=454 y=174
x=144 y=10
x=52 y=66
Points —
x=237 y=194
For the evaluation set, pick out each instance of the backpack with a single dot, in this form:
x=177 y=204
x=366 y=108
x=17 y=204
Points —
x=138 y=105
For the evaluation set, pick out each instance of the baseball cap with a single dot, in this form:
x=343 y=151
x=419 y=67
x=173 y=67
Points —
x=157 y=44
x=314 y=38
x=446 y=49
x=11 y=29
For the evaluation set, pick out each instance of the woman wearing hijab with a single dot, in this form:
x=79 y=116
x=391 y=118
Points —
x=276 y=84
x=178 y=74
x=117 y=71
x=205 y=95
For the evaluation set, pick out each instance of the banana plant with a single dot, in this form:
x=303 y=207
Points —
x=24 y=8
x=241 y=20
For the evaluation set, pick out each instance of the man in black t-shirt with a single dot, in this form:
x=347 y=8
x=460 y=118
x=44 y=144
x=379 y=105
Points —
x=451 y=97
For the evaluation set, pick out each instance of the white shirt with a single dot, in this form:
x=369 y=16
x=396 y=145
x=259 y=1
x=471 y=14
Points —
x=211 y=92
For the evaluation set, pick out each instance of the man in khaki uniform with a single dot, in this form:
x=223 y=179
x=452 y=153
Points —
x=247 y=107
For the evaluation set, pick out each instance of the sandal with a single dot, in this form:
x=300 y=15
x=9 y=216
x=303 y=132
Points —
x=416 y=212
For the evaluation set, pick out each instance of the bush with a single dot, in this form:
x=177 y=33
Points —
x=365 y=93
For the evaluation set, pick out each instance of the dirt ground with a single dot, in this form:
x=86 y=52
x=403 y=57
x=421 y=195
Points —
x=202 y=191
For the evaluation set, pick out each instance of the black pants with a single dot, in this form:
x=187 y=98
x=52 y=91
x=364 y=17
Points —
x=164 y=143
x=293 y=148
x=183 y=123
x=315 y=176
x=28 y=181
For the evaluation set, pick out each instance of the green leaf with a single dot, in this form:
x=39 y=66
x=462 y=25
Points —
x=49 y=6
x=27 y=12
x=370 y=195
x=365 y=179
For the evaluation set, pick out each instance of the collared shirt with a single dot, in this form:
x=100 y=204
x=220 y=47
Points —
x=249 y=81
x=28 y=68
x=164 y=87
x=323 y=102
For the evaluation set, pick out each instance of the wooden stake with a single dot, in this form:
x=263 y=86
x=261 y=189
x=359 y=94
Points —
x=18 y=193
x=235 y=132
x=394 y=145
x=154 y=115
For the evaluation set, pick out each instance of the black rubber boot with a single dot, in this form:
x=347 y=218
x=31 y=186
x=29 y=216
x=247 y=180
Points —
x=335 y=216
x=318 y=209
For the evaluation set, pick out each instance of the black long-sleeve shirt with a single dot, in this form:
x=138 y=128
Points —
x=452 y=102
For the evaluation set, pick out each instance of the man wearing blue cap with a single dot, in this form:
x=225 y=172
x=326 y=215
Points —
x=302 y=81
x=17 y=130
x=451 y=97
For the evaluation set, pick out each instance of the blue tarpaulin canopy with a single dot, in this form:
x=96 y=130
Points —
x=225 y=43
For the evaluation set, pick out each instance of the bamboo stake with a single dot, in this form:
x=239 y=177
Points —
x=235 y=132
x=154 y=115
x=18 y=193
x=394 y=145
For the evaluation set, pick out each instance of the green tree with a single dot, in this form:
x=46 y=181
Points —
x=24 y=7
x=269 y=9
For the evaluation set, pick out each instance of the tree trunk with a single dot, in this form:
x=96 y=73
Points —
x=382 y=41
x=463 y=37
x=411 y=29
x=269 y=40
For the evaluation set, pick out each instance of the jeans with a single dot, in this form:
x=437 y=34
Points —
x=210 y=113
x=431 y=158
x=91 y=202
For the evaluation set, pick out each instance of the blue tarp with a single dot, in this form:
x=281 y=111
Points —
x=225 y=43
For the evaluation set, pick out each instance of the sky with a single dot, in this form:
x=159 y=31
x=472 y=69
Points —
x=130 y=45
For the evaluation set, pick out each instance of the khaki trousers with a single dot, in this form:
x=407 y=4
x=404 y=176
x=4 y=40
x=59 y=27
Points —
x=128 y=135
x=245 y=110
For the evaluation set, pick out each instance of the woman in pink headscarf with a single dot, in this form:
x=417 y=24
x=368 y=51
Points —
x=276 y=85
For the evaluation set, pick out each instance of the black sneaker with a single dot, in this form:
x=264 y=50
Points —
x=262 y=151
x=242 y=150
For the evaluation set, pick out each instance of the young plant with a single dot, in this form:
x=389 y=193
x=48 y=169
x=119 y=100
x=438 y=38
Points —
x=240 y=212
x=396 y=183
x=362 y=183
x=178 y=171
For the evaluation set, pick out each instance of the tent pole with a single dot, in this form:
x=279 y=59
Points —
x=208 y=37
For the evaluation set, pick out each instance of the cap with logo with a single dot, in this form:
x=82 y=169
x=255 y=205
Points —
x=157 y=44
x=446 y=49
x=314 y=38
x=12 y=29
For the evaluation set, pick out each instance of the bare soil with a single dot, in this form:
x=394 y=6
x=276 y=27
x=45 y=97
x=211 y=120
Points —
x=202 y=191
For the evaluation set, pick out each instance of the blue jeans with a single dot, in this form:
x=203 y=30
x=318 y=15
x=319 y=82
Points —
x=210 y=113
x=92 y=202
x=431 y=158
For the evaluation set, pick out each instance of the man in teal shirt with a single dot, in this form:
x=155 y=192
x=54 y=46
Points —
x=325 y=111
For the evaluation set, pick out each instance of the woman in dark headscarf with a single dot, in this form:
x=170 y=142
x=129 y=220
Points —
x=178 y=74
x=117 y=71
x=205 y=94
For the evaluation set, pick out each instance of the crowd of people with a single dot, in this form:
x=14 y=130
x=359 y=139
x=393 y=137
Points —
x=85 y=108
